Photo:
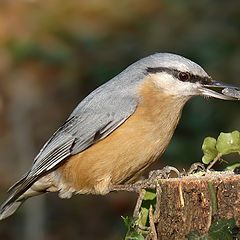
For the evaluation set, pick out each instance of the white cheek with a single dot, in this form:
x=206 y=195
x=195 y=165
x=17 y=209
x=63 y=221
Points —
x=173 y=86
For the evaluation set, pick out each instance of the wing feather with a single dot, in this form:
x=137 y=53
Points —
x=95 y=118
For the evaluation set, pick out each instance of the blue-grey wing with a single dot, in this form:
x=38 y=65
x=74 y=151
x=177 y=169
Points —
x=84 y=127
x=81 y=130
x=99 y=114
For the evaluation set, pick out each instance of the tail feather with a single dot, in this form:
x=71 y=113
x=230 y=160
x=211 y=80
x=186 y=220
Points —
x=23 y=190
x=7 y=210
x=18 y=183
x=13 y=202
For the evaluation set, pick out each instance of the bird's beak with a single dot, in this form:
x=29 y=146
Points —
x=221 y=85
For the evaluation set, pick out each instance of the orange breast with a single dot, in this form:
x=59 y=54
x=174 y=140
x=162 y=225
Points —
x=130 y=148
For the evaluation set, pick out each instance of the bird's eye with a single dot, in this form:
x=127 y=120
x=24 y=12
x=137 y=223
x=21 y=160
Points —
x=183 y=76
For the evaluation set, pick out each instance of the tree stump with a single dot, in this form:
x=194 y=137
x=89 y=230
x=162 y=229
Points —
x=191 y=203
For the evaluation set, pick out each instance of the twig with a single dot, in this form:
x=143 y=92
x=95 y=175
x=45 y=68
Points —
x=158 y=202
x=152 y=232
x=139 y=202
x=214 y=161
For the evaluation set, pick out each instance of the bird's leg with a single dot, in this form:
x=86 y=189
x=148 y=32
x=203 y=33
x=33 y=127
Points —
x=146 y=183
x=136 y=187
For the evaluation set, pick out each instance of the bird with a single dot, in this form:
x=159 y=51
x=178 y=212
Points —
x=117 y=131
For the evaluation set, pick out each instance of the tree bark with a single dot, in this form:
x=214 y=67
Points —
x=193 y=202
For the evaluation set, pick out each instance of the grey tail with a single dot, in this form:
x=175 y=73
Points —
x=19 y=195
x=7 y=210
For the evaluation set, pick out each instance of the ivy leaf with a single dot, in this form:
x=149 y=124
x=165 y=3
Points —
x=219 y=229
x=209 y=150
x=195 y=235
x=132 y=233
x=129 y=222
x=148 y=200
x=144 y=216
x=149 y=195
x=228 y=142
x=232 y=166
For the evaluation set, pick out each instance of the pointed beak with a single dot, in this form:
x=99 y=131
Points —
x=229 y=91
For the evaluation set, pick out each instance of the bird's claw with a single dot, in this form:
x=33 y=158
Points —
x=196 y=167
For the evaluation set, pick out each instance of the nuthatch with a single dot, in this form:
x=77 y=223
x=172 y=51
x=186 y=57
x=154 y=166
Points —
x=117 y=131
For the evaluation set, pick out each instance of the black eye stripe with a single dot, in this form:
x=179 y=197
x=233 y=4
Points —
x=175 y=73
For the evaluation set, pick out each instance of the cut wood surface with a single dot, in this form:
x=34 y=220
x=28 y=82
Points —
x=192 y=202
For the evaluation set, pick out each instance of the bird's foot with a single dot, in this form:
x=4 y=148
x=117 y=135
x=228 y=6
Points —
x=196 y=167
x=165 y=172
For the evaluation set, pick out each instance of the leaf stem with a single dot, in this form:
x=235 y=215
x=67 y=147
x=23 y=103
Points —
x=214 y=161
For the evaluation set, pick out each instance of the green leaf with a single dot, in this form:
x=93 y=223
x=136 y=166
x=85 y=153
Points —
x=148 y=200
x=232 y=166
x=209 y=150
x=219 y=229
x=195 y=235
x=126 y=221
x=149 y=195
x=132 y=233
x=144 y=216
x=228 y=142
x=129 y=222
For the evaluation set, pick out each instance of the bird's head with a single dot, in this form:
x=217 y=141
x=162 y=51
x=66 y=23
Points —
x=178 y=76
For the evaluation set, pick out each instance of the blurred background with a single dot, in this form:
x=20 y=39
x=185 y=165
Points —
x=53 y=53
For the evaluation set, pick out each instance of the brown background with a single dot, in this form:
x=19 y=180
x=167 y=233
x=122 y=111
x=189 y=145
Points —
x=53 y=53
